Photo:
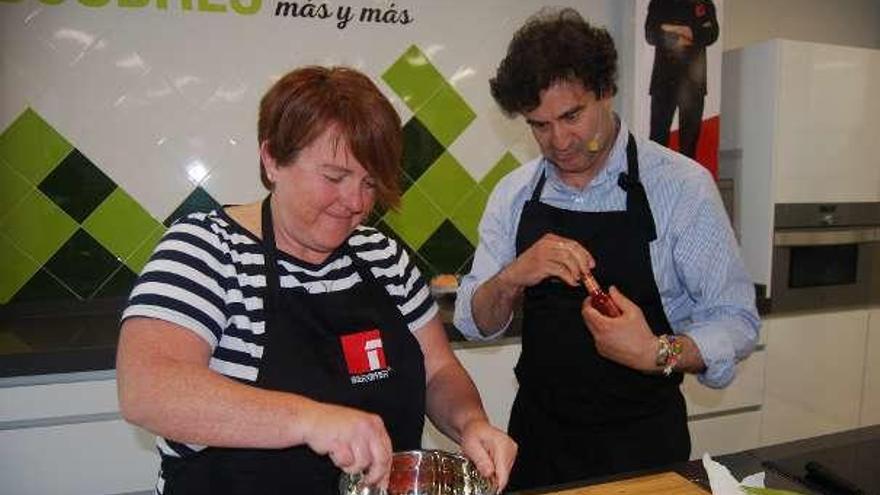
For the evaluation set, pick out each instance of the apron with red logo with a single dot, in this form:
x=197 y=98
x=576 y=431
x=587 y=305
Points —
x=349 y=347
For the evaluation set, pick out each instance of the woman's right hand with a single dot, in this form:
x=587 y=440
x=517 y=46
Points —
x=356 y=441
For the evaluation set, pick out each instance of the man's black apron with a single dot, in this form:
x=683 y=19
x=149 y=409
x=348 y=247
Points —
x=307 y=339
x=578 y=415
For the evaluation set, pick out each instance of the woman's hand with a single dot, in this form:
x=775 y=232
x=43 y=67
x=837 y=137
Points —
x=490 y=449
x=356 y=441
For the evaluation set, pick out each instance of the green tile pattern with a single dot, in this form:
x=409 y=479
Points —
x=416 y=220
x=447 y=249
x=504 y=166
x=32 y=147
x=413 y=78
x=467 y=216
x=13 y=188
x=118 y=285
x=420 y=149
x=44 y=286
x=120 y=224
x=16 y=269
x=67 y=231
x=446 y=114
x=82 y=264
x=141 y=255
x=443 y=203
x=444 y=181
x=77 y=186
x=198 y=200
x=37 y=227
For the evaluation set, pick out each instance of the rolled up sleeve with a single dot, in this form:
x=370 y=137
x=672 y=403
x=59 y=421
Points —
x=722 y=343
x=495 y=250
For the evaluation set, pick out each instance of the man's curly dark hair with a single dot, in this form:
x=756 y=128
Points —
x=554 y=45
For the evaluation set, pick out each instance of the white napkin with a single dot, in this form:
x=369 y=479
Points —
x=723 y=483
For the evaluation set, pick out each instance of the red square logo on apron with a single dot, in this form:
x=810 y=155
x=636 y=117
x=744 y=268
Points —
x=363 y=352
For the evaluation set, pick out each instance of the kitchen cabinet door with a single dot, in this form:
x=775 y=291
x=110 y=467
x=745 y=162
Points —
x=746 y=391
x=724 y=434
x=870 y=414
x=814 y=374
x=826 y=124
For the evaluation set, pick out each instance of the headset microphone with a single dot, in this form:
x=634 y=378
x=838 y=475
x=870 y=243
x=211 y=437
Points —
x=593 y=144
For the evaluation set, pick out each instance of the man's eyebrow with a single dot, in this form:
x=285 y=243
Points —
x=571 y=111
x=568 y=113
x=534 y=122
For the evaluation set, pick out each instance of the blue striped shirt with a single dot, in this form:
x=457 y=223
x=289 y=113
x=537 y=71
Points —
x=704 y=287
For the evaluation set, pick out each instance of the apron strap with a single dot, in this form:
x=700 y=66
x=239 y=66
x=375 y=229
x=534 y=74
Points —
x=636 y=199
x=539 y=187
x=270 y=257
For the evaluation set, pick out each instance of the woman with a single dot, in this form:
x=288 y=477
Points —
x=285 y=336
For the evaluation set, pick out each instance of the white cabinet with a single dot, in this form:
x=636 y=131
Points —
x=746 y=391
x=726 y=420
x=68 y=439
x=814 y=374
x=725 y=434
x=870 y=414
x=827 y=124
x=799 y=125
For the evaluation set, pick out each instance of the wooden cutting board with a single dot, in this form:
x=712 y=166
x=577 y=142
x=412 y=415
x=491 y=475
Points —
x=663 y=483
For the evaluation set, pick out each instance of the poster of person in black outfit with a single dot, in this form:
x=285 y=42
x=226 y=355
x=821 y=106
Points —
x=680 y=31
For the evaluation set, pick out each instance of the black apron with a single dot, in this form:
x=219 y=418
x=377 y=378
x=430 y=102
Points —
x=322 y=346
x=576 y=414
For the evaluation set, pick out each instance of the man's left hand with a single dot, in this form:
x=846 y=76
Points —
x=490 y=449
x=626 y=339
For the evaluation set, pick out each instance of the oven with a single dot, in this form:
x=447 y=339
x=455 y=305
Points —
x=825 y=256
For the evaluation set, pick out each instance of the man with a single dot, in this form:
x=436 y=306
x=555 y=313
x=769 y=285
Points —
x=680 y=31
x=593 y=397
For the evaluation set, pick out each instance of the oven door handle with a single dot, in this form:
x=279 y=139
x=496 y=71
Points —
x=826 y=237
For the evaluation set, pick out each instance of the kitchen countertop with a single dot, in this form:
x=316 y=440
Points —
x=835 y=449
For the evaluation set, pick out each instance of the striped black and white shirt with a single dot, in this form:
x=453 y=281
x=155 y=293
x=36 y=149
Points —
x=207 y=275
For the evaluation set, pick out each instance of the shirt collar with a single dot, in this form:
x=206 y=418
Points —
x=615 y=164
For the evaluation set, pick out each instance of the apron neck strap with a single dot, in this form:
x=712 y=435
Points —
x=631 y=177
x=273 y=285
x=636 y=197
x=270 y=256
x=539 y=187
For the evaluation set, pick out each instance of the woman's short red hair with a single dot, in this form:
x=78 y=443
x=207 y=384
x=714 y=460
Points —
x=307 y=101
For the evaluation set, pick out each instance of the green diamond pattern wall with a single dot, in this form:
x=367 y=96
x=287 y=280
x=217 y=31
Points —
x=443 y=203
x=68 y=231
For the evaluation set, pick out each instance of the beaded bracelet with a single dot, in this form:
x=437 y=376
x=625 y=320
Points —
x=670 y=351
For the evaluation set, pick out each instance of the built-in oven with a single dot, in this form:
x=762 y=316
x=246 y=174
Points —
x=825 y=256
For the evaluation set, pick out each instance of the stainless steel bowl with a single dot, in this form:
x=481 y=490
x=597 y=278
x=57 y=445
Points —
x=425 y=472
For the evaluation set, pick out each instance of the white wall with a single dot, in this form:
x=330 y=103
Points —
x=839 y=22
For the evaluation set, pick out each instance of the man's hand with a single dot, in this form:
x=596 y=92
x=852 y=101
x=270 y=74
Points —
x=490 y=449
x=551 y=256
x=354 y=440
x=626 y=339
x=684 y=34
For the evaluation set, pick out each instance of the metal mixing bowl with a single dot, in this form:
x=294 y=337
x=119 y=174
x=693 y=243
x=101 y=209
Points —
x=425 y=472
